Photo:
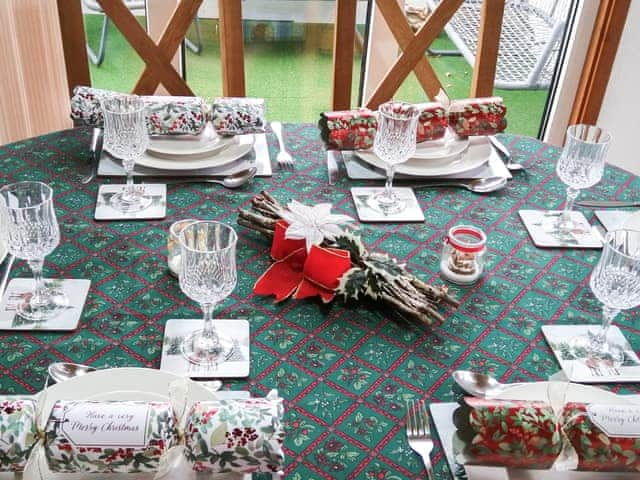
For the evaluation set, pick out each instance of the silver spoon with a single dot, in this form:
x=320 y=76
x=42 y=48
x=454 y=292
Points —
x=505 y=154
x=481 y=385
x=62 y=371
x=233 y=180
x=479 y=185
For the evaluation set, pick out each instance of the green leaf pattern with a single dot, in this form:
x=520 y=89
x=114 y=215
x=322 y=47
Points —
x=236 y=436
x=17 y=432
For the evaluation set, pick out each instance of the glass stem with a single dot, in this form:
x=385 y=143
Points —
x=608 y=314
x=129 y=188
x=209 y=331
x=388 y=191
x=40 y=288
x=572 y=194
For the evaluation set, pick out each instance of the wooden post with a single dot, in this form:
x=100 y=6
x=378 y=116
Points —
x=232 y=48
x=74 y=43
x=599 y=61
x=484 y=70
x=344 y=34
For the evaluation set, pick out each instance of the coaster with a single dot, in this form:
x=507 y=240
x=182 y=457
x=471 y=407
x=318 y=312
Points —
x=367 y=212
x=539 y=224
x=157 y=209
x=76 y=290
x=559 y=336
x=613 y=219
x=236 y=366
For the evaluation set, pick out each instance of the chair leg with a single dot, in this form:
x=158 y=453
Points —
x=195 y=47
x=98 y=59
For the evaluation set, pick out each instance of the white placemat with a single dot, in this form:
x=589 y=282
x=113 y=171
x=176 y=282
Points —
x=258 y=157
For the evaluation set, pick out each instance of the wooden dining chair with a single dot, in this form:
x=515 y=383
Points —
x=414 y=46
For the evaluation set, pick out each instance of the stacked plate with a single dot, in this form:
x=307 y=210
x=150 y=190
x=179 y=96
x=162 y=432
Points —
x=207 y=154
x=187 y=152
x=440 y=158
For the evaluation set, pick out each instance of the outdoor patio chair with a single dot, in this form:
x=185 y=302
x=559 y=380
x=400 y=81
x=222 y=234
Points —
x=529 y=43
x=97 y=58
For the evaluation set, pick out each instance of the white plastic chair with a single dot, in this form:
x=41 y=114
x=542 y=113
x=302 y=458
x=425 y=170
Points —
x=529 y=43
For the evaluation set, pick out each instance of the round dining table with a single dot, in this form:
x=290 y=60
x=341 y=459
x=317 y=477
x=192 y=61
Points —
x=345 y=371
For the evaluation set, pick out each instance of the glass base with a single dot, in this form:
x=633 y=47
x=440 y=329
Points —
x=586 y=349
x=555 y=223
x=127 y=202
x=202 y=351
x=50 y=304
x=387 y=203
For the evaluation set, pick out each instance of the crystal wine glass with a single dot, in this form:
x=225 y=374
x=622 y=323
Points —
x=615 y=281
x=126 y=138
x=207 y=276
x=31 y=234
x=580 y=165
x=394 y=143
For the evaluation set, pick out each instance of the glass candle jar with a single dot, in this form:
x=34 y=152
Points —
x=463 y=254
x=173 y=245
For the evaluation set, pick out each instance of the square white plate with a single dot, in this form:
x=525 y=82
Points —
x=157 y=209
x=76 y=290
x=368 y=213
x=173 y=361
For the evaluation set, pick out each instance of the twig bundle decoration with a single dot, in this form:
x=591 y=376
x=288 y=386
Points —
x=374 y=276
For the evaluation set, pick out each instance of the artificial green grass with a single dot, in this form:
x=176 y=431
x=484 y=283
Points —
x=294 y=77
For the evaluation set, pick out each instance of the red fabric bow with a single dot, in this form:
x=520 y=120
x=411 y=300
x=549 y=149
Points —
x=299 y=274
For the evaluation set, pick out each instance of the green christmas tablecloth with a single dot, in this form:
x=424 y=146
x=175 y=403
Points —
x=344 y=372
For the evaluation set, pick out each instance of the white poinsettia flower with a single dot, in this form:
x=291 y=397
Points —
x=313 y=224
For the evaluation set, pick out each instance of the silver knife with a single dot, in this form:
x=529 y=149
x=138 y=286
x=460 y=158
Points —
x=608 y=203
x=95 y=151
x=332 y=165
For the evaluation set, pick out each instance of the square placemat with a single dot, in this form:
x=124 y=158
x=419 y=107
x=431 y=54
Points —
x=539 y=222
x=236 y=366
x=157 y=209
x=76 y=290
x=558 y=338
x=368 y=213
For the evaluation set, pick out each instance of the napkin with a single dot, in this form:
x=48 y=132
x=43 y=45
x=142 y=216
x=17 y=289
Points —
x=109 y=437
x=236 y=435
x=527 y=435
x=238 y=115
x=17 y=432
x=166 y=115
x=477 y=116
x=356 y=129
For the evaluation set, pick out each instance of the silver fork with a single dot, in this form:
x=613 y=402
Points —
x=419 y=433
x=284 y=158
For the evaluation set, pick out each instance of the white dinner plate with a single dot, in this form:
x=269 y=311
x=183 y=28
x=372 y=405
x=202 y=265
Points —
x=633 y=222
x=236 y=148
x=128 y=383
x=133 y=384
x=476 y=155
x=448 y=146
x=181 y=146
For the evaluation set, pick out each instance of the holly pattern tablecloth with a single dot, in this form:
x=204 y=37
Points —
x=345 y=372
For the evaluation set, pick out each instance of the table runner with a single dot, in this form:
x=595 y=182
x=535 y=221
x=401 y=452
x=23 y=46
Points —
x=344 y=372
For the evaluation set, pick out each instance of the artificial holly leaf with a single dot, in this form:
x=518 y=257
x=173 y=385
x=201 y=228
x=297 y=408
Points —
x=352 y=283
x=353 y=245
